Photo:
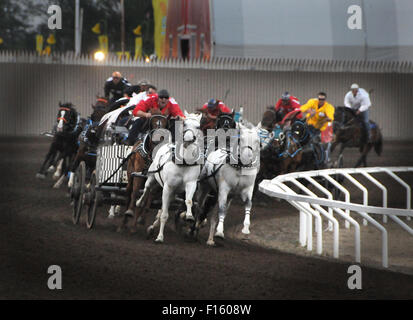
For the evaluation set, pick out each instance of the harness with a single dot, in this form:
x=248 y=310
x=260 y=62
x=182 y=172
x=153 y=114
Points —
x=286 y=153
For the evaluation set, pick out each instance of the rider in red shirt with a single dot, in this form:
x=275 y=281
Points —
x=214 y=107
x=289 y=106
x=160 y=101
x=287 y=103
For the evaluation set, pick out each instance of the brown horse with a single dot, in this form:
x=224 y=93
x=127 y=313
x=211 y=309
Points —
x=138 y=163
x=349 y=133
x=271 y=117
x=281 y=156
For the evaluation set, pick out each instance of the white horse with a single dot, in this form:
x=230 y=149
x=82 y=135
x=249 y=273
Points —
x=231 y=178
x=174 y=177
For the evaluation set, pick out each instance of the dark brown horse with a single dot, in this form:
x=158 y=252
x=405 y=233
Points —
x=271 y=117
x=89 y=139
x=138 y=163
x=348 y=133
x=64 y=145
x=282 y=155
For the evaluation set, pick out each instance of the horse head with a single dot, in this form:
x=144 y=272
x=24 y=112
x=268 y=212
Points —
x=269 y=118
x=99 y=109
x=249 y=144
x=66 y=118
x=225 y=121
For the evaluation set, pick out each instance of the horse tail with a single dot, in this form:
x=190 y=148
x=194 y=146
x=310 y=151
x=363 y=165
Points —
x=378 y=146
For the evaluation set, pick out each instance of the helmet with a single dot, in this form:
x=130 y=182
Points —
x=212 y=103
x=163 y=93
x=285 y=96
x=143 y=82
x=354 y=86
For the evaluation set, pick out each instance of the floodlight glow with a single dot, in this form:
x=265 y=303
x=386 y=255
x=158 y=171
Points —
x=147 y=60
x=99 y=56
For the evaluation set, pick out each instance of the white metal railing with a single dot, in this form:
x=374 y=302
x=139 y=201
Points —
x=217 y=63
x=310 y=204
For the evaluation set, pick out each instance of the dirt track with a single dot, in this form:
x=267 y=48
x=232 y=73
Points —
x=36 y=231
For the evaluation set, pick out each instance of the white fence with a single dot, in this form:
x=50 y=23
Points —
x=217 y=63
x=31 y=86
x=311 y=205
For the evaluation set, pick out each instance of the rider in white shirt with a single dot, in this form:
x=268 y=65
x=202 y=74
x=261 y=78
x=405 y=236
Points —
x=112 y=117
x=358 y=99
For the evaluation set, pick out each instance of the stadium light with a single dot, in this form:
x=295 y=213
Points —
x=99 y=56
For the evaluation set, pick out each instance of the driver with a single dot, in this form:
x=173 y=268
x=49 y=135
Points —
x=115 y=86
x=287 y=103
x=358 y=99
x=213 y=107
x=319 y=115
x=162 y=101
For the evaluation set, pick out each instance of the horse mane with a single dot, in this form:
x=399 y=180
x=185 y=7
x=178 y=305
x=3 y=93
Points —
x=248 y=124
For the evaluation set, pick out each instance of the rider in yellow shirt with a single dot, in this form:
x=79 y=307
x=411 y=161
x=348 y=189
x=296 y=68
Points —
x=319 y=115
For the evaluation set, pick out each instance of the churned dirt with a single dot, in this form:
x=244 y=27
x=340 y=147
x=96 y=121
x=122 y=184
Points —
x=36 y=231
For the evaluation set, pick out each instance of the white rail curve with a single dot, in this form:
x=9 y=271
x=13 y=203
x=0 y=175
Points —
x=311 y=205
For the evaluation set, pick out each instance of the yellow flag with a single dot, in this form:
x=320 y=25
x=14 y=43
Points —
x=1 y=40
x=96 y=28
x=138 y=47
x=138 y=30
x=47 y=50
x=104 y=43
x=160 y=11
x=39 y=43
x=51 y=39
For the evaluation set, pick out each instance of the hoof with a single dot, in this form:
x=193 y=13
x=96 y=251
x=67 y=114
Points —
x=128 y=212
x=111 y=216
x=133 y=230
x=219 y=235
x=245 y=231
x=245 y=237
x=140 y=220
x=149 y=232
x=159 y=240
x=211 y=243
x=56 y=177
x=204 y=223
x=189 y=218
x=51 y=169
x=40 y=176
x=117 y=209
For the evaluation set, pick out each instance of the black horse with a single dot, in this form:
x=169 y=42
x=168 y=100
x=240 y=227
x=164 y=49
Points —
x=348 y=132
x=64 y=144
x=89 y=138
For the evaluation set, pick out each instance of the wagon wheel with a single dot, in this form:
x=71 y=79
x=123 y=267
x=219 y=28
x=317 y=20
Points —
x=93 y=202
x=78 y=191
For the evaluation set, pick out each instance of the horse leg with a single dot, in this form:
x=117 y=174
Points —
x=58 y=171
x=140 y=203
x=166 y=197
x=49 y=157
x=246 y=196
x=189 y=193
x=213 y=224
x=78 y=157
x=222 y=210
